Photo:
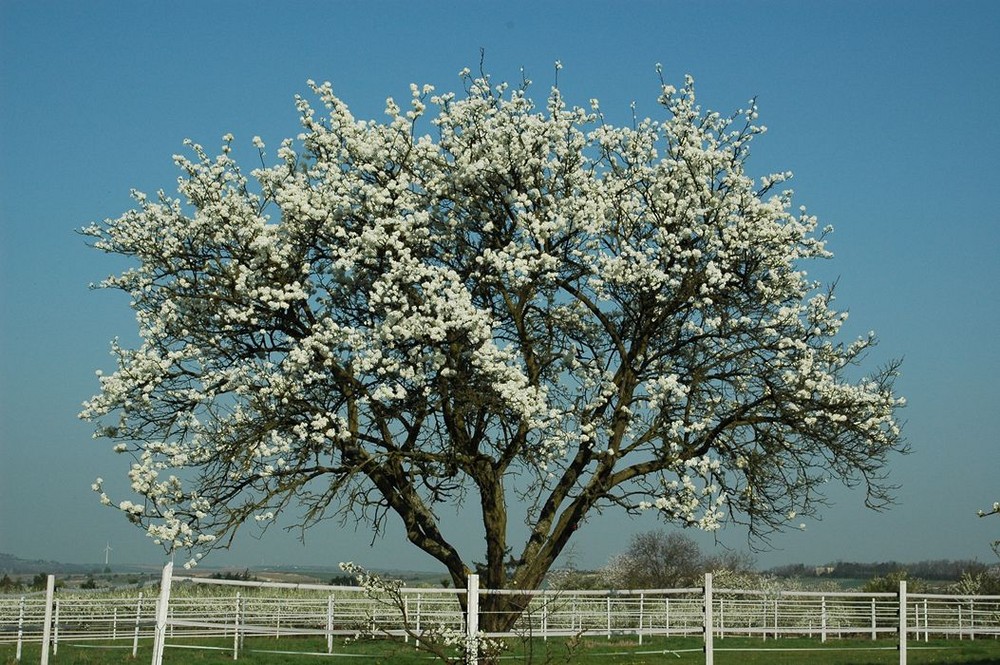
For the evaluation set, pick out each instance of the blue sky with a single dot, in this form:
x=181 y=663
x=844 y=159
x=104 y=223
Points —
x=885 y=111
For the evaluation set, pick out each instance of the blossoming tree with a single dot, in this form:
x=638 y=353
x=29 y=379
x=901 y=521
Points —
x=479 y=300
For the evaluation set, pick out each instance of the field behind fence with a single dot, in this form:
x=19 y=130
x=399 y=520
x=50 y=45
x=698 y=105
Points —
x=188 y=609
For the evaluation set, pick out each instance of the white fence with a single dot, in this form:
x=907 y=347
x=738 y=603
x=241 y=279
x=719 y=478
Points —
x=236 y=610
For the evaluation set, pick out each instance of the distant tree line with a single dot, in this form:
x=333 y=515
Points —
x=239 y=576
x=660 y=560
x=343 y=580
x=37 y=583
x=937 y=569
x=9 y=585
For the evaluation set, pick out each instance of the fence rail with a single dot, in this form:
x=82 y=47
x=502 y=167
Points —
x=235 y=610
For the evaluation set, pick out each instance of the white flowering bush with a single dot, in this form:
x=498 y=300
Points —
x=448 y=644
x=478 y=297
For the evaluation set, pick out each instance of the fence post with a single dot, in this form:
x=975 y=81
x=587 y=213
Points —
x=927 y=635
x=545 y=618
x=406 y=619
x=419 y=607
x=874 y=635
x=329 y=624
x=642 y=602
x=763 y=619
x=277 y=621
x=822 y=620
x=55 y=631
x=776 y=616
x=902 y=622
x=135 y=635
x=20 y=630
x=666 y=615
x=160 y=634
x=722 y=618
x=236 y=628
x=472 y=620
x=708 y=628
x=972 y=619
x=609 y=615
x=50 y=588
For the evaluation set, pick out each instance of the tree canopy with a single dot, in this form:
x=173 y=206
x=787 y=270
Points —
x=480 y=300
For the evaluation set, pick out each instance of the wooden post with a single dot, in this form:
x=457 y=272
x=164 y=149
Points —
x=406 y=619
x=50 y=588
x=722 y=619
x=419 y=607
x=545 y=619
x=472 y=620
x=775 y=618
x=874 y=634
x=822 y=619
x=666 y=615
x=236 y=628
x=708 y=623
x=162 y=606
x=609 y=616
x=135 y=635
x=55 y=631
x=642 y=598
x=902 y=622
x=972 y=619
x=329 y=624
x=20 y=630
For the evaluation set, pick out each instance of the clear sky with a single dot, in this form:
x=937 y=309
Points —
x=885 y=111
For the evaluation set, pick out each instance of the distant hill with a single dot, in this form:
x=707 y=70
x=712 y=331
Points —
x=15 y=566
x=12 y=565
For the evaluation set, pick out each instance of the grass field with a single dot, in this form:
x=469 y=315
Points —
x=588 y=651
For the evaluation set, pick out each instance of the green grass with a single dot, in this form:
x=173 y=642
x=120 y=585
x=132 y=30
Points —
x=587 y=651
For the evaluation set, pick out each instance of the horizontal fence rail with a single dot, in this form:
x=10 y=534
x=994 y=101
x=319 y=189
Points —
x=191 y=608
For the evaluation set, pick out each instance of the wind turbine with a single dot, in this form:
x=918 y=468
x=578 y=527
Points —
x=107 y=553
